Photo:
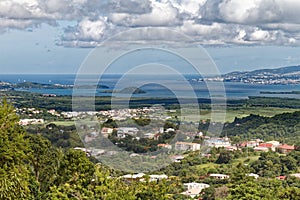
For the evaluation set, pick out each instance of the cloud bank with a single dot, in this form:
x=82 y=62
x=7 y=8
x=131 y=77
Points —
x=210 y=22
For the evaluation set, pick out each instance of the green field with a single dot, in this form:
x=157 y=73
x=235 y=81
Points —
x=63 y=123
x=231 y=113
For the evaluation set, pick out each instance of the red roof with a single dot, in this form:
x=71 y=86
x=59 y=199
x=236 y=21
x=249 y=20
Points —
x=268 y=145
x=287 y=147
x=243 y=144
x=163 y=145
x=281 y=177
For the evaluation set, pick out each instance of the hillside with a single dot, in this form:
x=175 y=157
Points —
x=283 y=75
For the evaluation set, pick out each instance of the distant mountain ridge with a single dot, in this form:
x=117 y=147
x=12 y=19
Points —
x=281 y=71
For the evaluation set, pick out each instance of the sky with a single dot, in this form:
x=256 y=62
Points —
x=56 y=36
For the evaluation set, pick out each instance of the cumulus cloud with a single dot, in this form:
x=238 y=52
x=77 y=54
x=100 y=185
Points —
x=250 y=22
x=130 y=6
x=161 y=14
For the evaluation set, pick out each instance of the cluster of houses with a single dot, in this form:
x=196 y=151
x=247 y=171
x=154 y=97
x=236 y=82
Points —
x=25 y=122
x=192 y=189
x=259 y=145
x=123 y=114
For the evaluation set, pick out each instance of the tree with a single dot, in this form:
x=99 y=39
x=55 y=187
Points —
x=224 y=158
x=14 y=173
x=221 y=192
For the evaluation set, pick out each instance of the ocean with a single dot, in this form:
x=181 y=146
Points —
x=157 y=86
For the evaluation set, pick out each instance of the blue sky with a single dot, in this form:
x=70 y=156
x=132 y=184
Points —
x=56 y=36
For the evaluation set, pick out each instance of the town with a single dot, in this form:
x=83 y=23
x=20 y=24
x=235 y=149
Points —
x=115 y=126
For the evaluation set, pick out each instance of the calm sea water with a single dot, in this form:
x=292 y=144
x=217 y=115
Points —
x=154 y=86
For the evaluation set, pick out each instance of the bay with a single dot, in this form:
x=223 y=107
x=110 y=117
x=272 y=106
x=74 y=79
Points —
x=159 y=86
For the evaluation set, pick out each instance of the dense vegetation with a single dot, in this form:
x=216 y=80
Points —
x=39 y=163
x=64 y=103
x=31 y=168
x=283 y=127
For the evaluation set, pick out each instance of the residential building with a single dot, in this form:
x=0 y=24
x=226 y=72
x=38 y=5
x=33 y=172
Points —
x=187 y=146
x=264 y=149
x=167 y=146
x=154 y=177
x=177 y=158
x=297 y=175
x=275 y=144
x=194 y=189
x=251 y=143
x=106 y=131
x=266 y=145
x=256 y=176
x=149 y=135
x=286 y=148
x=281 y=177
x=218 y=142
x=231 y=148
x=219 y=176
x=134 y=177
x=123 y=131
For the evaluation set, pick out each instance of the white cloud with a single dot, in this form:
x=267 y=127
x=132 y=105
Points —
x=260 y=35
x=162 y=14
x=238 y=22
x=130 y=6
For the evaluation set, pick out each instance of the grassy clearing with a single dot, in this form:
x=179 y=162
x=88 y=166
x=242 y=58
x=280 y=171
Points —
x=239 y=112
x=63 y=123
x=247 y=160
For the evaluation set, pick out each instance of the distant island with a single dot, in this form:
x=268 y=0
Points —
x=128 y=90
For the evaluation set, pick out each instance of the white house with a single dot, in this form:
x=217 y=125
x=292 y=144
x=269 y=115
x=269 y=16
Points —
x=256 y=176
x=155 y=177
x=219 y=176
x=218 y=142
x=297 y=175
x=134 y=176
x=122 y=131
x=193 y=189
x=187 y=146
x=106 y=131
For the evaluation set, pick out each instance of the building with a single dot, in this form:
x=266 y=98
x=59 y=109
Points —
x=269 y=146
x=251 y=144
x=297 y=175
x=187 y=146
x=134 y=177
x=123 y=131
x=193 y=189
x=231 y=148
x=219 y=176
x=256 y=176
x=281 y=177
x=275 y=144
x=25 y=122
x=154 y=177
x=106 y=131
x=170 y=130
x=149 y=135
x=264 y=149
x=286 y=148
x=218 y=142
x=167 y=146
x=177 y=158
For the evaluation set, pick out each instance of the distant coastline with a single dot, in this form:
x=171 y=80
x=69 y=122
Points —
x=269 y=92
